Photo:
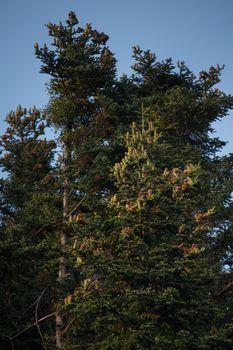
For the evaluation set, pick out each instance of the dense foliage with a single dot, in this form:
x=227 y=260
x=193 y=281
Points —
x=118 y=234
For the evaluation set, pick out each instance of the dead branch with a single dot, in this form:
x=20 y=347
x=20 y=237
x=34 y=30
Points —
x=32 y=325
x=36 y=316
x=39 y=230
x=9 y=338
x=75 y=208
x=12 y=345
x=29 y=307
x=68 y=326
x=25 y=311
x=225 y=289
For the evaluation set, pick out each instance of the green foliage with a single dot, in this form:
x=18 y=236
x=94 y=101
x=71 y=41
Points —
x=148 y=204
x=80 y=66
x=186 y=105
x=28 y=251
x=141 y=264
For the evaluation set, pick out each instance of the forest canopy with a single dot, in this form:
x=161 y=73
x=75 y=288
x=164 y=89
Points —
x=118 y=233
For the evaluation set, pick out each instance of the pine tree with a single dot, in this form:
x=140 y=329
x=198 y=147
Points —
x=26 y=242
x=148 y=279
x=143 y=253
x=82 y=71
x=187 y=107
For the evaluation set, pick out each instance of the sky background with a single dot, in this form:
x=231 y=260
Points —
x=200 y=32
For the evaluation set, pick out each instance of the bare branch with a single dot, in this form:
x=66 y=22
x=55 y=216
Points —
x=29 y=307
x=68 y=326
x=32 y=325
x=70 y=193
x=12 y=345
x=9 y=338
x=75 y=208
x=36 y=316
x=225 y=289
x=39 y=230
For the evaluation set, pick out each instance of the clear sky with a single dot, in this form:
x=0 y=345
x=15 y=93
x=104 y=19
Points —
x=200 y=32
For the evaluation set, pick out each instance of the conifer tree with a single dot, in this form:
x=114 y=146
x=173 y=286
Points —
x=148 y=279
x=143 y=253
x=82 y=70
x=26 y=242
x=26 y=157
x=187 y=107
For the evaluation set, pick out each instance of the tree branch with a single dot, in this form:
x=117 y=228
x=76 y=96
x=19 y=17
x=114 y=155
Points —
x=225 y=289
x=29 y=307
x=75 y=208
x=9 y=338
x=36 y=316
x=68 y=326
x=32 y=325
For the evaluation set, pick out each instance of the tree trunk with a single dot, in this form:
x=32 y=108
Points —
x=62 y=272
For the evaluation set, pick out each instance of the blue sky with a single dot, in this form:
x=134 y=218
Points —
x=200 y=32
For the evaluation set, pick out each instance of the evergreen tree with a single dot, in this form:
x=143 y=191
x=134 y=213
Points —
x=143 y=253
x=82 y=71
x=148 y=279
x=25 y=243
x=187 y=107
